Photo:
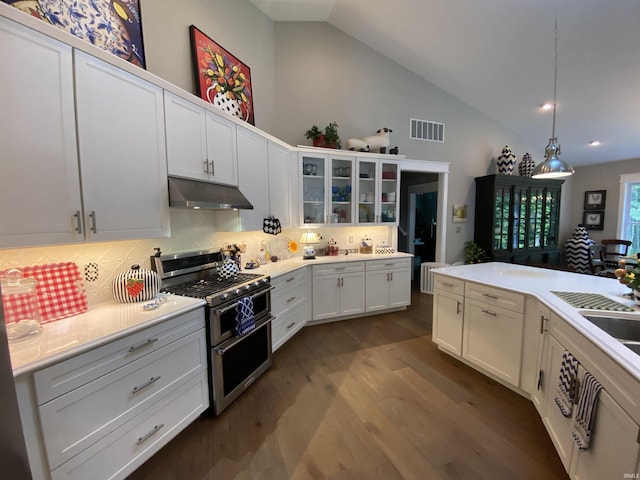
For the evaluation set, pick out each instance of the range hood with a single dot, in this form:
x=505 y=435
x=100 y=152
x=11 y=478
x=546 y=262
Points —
x=184 y=193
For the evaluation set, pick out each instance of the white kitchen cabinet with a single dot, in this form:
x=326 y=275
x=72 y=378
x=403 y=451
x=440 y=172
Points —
x=537 y=317
x=282 y=173
x=328 y=189
x=122 y=152
x=200 y=144
x=253 y=174
x=40 y=180
x=492 y=334
x=338 y=290
x=448 y=319
x=377 y=191
x=111 y=408
x=290 y=305
x=388 y=284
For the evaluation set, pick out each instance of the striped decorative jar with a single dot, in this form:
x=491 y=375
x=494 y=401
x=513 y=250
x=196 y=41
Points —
x=136 y=285
x=526 y=165
x=506 y=161
x=576 y=250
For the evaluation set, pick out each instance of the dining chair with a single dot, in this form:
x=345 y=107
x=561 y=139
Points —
x=597 y=264
x=616 y=246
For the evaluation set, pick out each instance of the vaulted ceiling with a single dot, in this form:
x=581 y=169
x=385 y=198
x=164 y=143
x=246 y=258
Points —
x=498 y=56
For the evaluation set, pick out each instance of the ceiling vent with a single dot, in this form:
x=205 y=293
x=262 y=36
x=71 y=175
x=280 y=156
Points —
x=429 y=131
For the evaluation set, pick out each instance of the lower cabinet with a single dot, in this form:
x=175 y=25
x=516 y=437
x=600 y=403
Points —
x=104 y=412
x=448 y=313
x=290 y=305
x=388 y=284
x=338 y=289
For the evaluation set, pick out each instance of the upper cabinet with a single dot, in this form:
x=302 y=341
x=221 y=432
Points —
x=40 y=181
x=377 y=191
x=516 y=218
x=200 y=144
x=282 y=176
x=253 y=183
x=120 y=149
x=122 y=152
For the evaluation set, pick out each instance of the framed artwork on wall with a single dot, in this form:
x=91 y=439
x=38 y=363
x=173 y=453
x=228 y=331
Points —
x=595 y=199
x=221 y=78
x=113 y=25
x=593 y=220
x=459 y=213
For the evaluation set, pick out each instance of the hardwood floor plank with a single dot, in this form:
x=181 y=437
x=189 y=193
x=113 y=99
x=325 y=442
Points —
x=368 y=398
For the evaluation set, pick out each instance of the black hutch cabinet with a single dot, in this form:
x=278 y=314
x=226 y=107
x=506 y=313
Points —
x=517 y=218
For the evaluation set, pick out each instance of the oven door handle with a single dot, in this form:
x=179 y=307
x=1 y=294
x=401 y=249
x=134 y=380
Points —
x=220 y=311
x=235 y=340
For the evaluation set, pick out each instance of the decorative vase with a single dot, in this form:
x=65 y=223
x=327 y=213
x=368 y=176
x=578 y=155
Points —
x=506 y=161
x=576 y=250
x=526 y=165
x=220 y=100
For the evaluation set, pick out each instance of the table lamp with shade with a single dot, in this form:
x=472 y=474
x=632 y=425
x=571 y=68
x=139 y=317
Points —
x=309 y=239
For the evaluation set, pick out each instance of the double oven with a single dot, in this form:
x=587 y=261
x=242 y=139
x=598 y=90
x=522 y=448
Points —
x=235 y=362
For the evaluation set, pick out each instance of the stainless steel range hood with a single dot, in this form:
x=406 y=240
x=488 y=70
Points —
x=184 y=193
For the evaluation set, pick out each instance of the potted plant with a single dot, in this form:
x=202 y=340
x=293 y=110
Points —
x=328 y=139
x=474 y=253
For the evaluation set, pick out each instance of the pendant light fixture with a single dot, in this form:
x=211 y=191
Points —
x=553 y=167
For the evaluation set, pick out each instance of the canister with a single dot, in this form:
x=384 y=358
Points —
x=136 y=285
x=20 y=305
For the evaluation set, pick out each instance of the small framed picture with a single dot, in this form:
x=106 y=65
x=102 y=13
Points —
x=594 y=199
x=459 y=213
x=593 y=220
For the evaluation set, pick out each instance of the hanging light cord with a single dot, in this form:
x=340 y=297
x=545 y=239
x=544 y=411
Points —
x=555 y=76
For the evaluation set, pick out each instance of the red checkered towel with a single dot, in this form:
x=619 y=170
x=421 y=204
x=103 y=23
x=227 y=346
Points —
x=60 y=289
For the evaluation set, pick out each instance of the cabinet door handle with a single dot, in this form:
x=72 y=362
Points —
x=488 y=295
x=290 y=279
x=488 y=312
x=542 y=324
x=213 y=168
x=457 y=308
x=137 y=388
x=78 y=217
x=290 y=325
x=339 y=281
x=206 y=167
x=391 y=273
x=146 y=436
x=147 y=342
x=289 y=300
x=92 y=216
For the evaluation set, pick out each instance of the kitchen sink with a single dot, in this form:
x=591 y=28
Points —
x=618 y=327
x=634 y=346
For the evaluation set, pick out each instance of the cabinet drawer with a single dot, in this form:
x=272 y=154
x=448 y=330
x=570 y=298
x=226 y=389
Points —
x=346 y=267
x=74 y=421
x=448 y=284
x=285 y=326
x=390 y=263
x=125 y=449
x=63 y=377
x=293 y=289
x=495 y=296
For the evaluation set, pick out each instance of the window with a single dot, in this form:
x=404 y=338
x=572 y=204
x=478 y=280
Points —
x=629 y=210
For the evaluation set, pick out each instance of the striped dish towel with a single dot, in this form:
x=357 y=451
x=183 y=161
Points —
x=567 y=384
x=586 y=412
x=245 y=321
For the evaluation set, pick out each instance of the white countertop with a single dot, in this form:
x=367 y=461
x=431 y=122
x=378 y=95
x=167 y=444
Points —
x=281 y=267
x=540 y=282
x=101 y=324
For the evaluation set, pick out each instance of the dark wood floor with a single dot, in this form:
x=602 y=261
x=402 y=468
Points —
x=370 y=398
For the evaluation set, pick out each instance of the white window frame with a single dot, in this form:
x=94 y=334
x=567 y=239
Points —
x=625 y=191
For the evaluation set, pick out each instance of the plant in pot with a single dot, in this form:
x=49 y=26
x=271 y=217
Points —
x=315 y=135
x=328 y=138
x=474 y=253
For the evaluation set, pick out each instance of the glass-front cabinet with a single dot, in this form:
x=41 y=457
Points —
x=378 y=187
x=516 y=218
x=313 y=189
x=342 y=171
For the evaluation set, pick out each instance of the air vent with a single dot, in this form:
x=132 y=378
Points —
x=429 y=131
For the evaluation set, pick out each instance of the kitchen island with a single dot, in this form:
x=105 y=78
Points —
x=506 y=321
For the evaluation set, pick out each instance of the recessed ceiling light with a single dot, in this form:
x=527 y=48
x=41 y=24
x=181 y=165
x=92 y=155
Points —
x=546 y=106
x=594 y=143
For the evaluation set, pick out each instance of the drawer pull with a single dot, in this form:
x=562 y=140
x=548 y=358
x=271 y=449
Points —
x=147 y=342
x=291 y=279
x=493 y=314
x=146 y=436
x=450 y=285
x=488 y=295
x=291 y=299
x=145 y=384
x=290 y=325
x=458 y=304
x=388 y=264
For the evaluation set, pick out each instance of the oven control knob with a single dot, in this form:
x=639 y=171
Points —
x=236 y=291
x=264 y=280
x=247 y=288
x=224 y=296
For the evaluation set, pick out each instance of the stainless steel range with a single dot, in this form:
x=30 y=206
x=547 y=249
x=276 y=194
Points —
x=234 y=361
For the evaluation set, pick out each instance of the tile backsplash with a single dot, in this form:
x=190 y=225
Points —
x=191 y=230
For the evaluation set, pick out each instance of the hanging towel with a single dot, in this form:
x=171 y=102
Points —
x=567 y=384
x=245 y=321
x=586 y=413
